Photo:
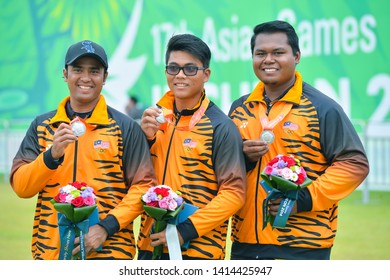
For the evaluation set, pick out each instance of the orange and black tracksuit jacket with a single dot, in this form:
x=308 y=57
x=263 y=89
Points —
x=320 y=135
x=206 y=164
x=112 y=157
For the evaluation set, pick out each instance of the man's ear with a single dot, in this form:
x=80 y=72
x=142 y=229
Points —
x=207 y=74
x=297 y=57
x=65 y=74
x=105 y=77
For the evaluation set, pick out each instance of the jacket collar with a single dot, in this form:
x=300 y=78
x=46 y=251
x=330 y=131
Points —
x=293 y=95
x=168 y=102
x=173 y=117
x=99 y=114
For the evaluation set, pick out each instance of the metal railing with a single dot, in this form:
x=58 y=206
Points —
x=11 y=135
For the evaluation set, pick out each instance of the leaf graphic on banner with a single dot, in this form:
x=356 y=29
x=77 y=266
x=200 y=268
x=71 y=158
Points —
x=124 y=72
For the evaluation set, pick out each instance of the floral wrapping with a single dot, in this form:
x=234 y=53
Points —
x=77 y=211
x=282 y=178
x=162 y=204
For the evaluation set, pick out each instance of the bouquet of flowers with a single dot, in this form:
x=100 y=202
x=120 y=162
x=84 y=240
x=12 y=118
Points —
x=162 y=204
x=77 y=210
x=282 y=177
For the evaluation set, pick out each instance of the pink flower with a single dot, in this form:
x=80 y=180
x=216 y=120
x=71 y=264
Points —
x=286 y=173
x=163 y=203
x=172 y=204
x=69 y=193
x=286 y=167
x=268 y=170
x=162 y=197
x=89 y=201
x=62 y=197
x=303 y=172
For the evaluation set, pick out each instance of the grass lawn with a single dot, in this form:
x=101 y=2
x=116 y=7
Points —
x=363 y=231
x=16 y=222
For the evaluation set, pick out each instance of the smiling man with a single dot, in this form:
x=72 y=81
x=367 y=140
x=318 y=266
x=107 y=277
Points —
x=285 y=115
x=108 y=152
x=197 y=150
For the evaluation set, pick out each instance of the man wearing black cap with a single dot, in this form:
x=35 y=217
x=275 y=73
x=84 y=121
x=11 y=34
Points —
x=85 y=140
x=86 y=48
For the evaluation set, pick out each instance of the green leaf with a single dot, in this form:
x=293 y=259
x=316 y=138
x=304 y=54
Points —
x=82 y=213
x=155 y=212
x=73 y=214
x=173 y=214
x=162 y=214
x=66 y=209
x=282 y=184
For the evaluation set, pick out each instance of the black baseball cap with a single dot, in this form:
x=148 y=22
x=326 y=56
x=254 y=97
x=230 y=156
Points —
x=86 y=48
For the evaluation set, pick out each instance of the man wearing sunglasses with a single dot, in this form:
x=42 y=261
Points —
x=197 y=150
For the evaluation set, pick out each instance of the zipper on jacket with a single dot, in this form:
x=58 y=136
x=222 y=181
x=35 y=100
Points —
x=169 y=149
x=76 y=145
x=256 y=202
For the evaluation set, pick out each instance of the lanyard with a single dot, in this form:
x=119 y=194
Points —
x=198 y=114
x=270 y=124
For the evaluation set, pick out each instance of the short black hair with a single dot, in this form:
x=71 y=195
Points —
x=275 y=27
x=191 y=44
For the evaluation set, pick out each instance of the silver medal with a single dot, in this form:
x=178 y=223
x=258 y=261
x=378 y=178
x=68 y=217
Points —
x=78 y=128
x=267 y=136
x=161 y=118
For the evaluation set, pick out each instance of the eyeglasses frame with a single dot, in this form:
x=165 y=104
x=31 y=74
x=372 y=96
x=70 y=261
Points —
x=182 y=68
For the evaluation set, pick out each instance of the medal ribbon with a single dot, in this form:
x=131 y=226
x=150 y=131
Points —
x=168 y=115
x=270 y=124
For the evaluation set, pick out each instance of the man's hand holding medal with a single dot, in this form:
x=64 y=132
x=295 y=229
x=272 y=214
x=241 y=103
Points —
x=267 y=136
x=66 y=134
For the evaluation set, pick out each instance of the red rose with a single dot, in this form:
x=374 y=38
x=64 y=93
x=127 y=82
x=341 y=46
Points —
x=76 y=184
x=301 y=178
x=289 y=160
x=272 y=162
x=162 y=191
x=79 y=185
x=152 y=203
x=78 y=201
x=57 y=198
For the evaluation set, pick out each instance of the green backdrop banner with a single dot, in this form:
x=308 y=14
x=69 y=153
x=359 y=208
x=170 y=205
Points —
x=344 y=48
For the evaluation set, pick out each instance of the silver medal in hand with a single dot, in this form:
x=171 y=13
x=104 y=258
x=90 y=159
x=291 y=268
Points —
x=267 y=136
x=161 y=118
x=78 y=127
